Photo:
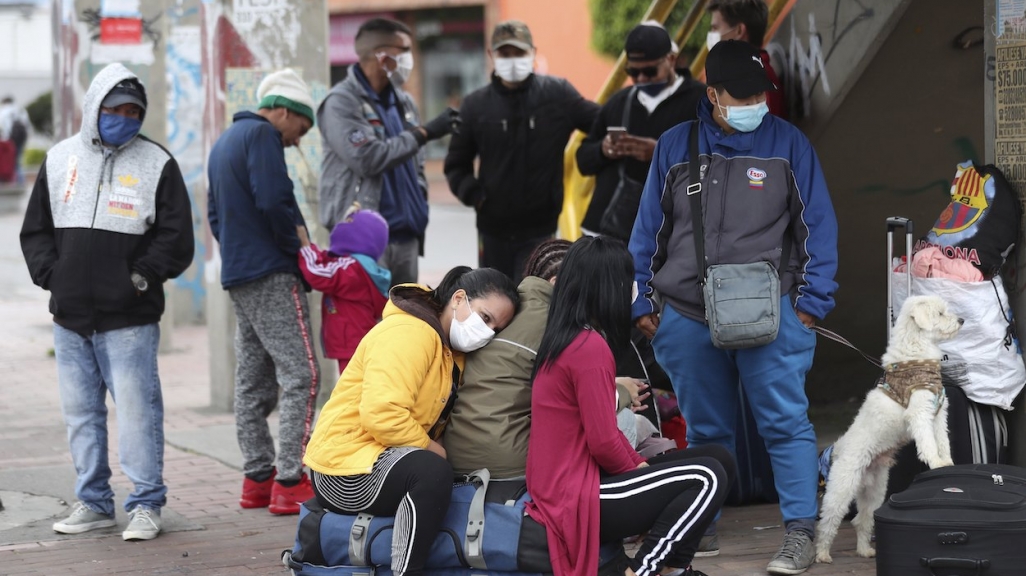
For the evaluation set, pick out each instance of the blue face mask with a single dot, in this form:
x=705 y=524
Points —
x=117 y=130
x=744 y=118
x=653 y=88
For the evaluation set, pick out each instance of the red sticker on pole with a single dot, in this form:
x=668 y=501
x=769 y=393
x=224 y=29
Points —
x=121 y=31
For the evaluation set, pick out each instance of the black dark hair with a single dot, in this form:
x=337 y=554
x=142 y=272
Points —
x=477 y=283
x=547 y=258
x=383 y=26
x=593 y=289
x=754 y=14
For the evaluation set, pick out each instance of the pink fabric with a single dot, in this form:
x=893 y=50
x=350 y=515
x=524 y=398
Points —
x=574 y=437
x=931 y=262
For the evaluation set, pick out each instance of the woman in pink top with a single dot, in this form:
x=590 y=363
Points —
x=586 y=482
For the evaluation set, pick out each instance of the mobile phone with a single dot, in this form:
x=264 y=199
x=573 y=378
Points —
x=616 y=132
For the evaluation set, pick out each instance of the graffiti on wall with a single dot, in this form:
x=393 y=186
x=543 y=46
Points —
x=806 y=56
x=183 y=61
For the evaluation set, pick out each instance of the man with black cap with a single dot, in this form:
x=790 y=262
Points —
x=763 y=195
x=658 y=101
x=108 y=222
x=519 y=126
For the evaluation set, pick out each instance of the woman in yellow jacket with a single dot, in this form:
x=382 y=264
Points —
x=374 y=449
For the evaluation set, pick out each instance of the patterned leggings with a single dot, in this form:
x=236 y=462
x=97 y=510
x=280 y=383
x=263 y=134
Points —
x=411 y=484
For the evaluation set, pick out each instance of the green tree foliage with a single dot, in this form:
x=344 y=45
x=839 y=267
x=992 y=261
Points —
x=40 y=113
x=611 y=20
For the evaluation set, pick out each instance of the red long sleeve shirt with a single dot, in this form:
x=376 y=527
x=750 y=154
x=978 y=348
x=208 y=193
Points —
x=574 y=437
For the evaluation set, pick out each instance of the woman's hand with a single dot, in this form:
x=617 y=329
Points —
x=642 y=465
x=636 y=388
x=437 y=448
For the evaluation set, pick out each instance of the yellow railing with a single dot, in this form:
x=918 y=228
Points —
x=577 y=188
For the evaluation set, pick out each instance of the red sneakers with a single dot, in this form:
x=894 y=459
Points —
x=286 y=499
x=256 y=494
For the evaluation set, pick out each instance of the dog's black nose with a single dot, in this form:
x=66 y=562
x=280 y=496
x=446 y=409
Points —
x=961 y=321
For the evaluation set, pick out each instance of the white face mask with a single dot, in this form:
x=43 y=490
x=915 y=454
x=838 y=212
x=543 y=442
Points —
x=470 y=334
x=713 y=38
x=403 y=67
x=514 y=69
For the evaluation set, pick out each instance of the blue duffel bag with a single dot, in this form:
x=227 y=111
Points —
x=486 y=532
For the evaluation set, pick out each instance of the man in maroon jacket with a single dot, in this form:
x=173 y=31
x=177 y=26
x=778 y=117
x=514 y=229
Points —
x=747 y=20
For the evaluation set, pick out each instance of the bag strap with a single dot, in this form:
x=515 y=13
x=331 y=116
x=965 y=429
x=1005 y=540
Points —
x=695 y=197
x=310 y=535
x=694 y=191
x=625 y=121
x=473 y=543
x=358 y=542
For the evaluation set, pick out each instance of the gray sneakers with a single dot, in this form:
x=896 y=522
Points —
x=708 y=546
x=83 y=519
x=143 y=524
x=795 y=556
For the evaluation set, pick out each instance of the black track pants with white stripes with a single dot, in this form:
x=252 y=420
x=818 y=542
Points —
x=674 y=499
x=416 y=490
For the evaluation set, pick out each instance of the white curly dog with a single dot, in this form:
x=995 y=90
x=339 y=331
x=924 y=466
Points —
x=908 y=404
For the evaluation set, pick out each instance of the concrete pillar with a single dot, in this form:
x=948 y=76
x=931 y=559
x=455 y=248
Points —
x=1005 y=130
x=243 y=40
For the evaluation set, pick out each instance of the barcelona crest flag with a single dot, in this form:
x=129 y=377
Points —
x=981 y=219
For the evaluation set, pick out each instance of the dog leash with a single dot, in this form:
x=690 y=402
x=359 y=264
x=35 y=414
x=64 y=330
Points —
x=842 y=340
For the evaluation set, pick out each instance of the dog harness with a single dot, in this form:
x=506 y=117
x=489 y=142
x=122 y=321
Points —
x=901 y=379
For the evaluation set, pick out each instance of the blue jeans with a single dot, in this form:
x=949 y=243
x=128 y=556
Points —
x=773 y=376
x=124 y=363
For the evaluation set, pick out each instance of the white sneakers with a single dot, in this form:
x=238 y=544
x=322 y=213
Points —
x=83 y=519
x=143 y=523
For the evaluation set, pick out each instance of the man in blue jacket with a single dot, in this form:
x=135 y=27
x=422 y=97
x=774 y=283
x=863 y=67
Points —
x=761 y=180
x=255 y=218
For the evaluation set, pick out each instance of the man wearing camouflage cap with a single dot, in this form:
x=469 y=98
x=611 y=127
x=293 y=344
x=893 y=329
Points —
x=517 y=126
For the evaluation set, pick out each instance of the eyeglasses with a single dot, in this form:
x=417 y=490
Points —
x=648 y=71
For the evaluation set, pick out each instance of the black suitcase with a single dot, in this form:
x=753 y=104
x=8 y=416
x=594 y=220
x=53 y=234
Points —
x=967 y=520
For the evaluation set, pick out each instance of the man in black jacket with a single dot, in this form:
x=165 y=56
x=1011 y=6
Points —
x=108 y=222
x=519 y=125
x=659 y=100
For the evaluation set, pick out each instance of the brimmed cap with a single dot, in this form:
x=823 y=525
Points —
x=737 y=66
x=125 y=92
x=512 y=33
x=648 y=42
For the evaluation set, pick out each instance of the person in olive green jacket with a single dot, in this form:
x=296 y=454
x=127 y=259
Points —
x=491 y=419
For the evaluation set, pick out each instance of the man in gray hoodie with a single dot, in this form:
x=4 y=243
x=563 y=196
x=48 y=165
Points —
x=108 y=222
x=372 y=143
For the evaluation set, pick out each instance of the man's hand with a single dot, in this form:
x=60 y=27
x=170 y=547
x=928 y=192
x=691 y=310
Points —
x=611 y=149
x=807 y=319
x=448 y=122
x=648 y=324
x=637 y=147
x=304 y=236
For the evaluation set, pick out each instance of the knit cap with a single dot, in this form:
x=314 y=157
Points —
x=286 y=89
x=362 y=232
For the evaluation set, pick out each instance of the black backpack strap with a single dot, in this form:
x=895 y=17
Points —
x=310 y=536
x=695 y=197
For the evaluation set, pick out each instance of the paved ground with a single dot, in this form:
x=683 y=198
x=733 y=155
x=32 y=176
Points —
x=208 y=533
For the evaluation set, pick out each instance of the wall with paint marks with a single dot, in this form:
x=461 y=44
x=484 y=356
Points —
x=890 y=148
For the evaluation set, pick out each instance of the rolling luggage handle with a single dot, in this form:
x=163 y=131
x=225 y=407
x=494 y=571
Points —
x=893 y=223
x=955 y=564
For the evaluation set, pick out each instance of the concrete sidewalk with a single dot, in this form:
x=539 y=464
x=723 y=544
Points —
x=207 y=533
